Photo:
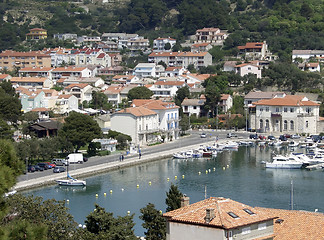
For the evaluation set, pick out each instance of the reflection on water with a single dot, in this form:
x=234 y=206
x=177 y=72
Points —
x=235 y=174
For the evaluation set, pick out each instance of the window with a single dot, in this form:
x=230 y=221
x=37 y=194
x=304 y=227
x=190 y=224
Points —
x=285 y=125
x=233 y=215
x=195 y=107
x=262 y=226
x=267 y=109
x=267 y=124
x=246 y=230
x=292 y=110
x=248 y=211
x=261 y=123
x=229 y=235
x=292 y=125
x=308 y=110
x=261 y=109
x=285 y=109
x=306 y=124
x=277 y=109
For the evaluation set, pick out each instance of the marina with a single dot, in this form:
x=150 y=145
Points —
x=238 y=174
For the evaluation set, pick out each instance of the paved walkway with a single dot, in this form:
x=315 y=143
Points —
x=104 y=167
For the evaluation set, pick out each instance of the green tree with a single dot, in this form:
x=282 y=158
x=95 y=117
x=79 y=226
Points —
x=184 y=123
x=79 y=129
x=5 y=130
x=104 y=226
x=30 y=117
x=173 y=200
x=167 y=46
x=99 y=101
x=10 y=106
x=154 y=223
x=181 y=94
x=93 y=148
x=49 y=214
x=139 y=93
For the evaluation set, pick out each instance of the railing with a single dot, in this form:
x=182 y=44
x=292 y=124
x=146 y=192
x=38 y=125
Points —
x=275 y=114
x=305 y=114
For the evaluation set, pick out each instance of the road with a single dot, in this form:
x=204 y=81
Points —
x=192 y=139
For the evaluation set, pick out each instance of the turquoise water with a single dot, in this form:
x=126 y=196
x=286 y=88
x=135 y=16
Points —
x=238 y=175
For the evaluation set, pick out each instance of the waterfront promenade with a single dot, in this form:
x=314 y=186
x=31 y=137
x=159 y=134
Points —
x=105 y=167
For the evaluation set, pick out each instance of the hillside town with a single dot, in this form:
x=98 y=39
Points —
x=136 y=92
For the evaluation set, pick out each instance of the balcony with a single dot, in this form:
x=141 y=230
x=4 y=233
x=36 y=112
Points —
x=276 y=115
x=146 y=131
x=305 y=115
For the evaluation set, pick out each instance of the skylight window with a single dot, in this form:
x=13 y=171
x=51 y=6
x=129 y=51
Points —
x=248 y=211
x=233 y=215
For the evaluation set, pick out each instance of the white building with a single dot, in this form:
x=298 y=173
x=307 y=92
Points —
x=71 y=71
x=159 y=44
x=65 y=103
x=287 y=114
x=168 y=114
x=193 y=106
x=258 y=95
x=305 y=55
x=82 y=91
x=140 y=123
x=166 y=89
x=255 y=51
x=247 y=68
x=143 y=70
x=214 y=36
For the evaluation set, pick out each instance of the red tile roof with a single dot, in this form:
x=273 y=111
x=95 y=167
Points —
x=249 y=45
x=10 y=53
x=288 y=100
x=195 y=214
x=27 y=79
x=69 y=69
x=138 y=111
x=297 y=225
x=35 y=69
x=79 y=85
x=40 y=109
x=154 y=104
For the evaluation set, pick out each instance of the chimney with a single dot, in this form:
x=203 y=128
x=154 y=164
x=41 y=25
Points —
x=185 y=200
x=210 y=214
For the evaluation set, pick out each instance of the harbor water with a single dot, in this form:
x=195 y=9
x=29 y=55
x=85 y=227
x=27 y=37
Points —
x=239 y=175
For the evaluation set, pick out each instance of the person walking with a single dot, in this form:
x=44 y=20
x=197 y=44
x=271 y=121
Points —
x=122 y=157
x=139 y=154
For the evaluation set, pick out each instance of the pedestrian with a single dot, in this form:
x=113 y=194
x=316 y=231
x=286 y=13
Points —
x=216 y=138
x=122 y=157
x=139 y=154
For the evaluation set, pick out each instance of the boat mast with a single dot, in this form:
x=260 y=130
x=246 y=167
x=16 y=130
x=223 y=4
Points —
x=292 y=194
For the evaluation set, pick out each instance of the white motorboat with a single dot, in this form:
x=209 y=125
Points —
x=246 y=143
x=231 y=145
x=293 y=144
x=181 y=155
x=284 y=162
x=218 y=147
x=70 y=181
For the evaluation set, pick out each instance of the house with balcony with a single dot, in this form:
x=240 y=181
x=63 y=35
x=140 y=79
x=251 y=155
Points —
x=168 y=114
x=140 y=123
x=91 y=56
x=144 y=70
x=11 y=59
x=124 y=79
x=43 y=72
x=248 y=68
x=201 y=47
x=138 y=44
x=36 y=34
x=310 y=67
x=71 y=71
x=159 y=44
x=32 y=82
x=286 y=114
x=218 y=218
x=65 y=103
x=174 y=71
x=255 y=96
x=31 y=100
x=59 y=56
x=193 y=107
x=214 y=36
x=255 y=51
x=109 y=72
x=113 y=94
x=82 y=91
x=166 y=89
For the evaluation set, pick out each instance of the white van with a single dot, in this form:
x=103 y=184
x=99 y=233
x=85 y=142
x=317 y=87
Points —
x=75 y=158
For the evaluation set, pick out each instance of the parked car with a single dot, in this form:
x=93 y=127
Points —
x=230 y=135
x=39 y=168
x=295 y=136
x=271 y=137
x=60 y=162
x=261 y=137
x=282 y=138
x=53 y=165
x=31 y=168
x=58 y=169
x=287 y=135
x=253 y=136
x=316 y=138
x=44 y=165
x=203 y=135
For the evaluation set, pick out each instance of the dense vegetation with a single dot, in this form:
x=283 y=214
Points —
x=284 y=24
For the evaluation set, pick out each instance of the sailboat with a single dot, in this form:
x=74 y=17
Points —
x=70 y=181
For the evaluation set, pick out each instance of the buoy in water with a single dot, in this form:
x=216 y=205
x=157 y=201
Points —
x=150 y=183
x=105 y=194
x=209 y=170
x=214 y=169
x=67 y=201
x=137 y=186
x=110 y=191
x=182 y=176
x=199 y=173
x=122 y=189
x=97 y=195
x=168 y=179
x=175 y=177
x=227 y=166
x=223 y=168
x=160 y=212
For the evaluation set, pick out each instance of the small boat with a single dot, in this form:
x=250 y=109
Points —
x=293 y=144
x=70 y=181
x=246 y=143
x=181 y=155
x=284 y=162
x=231 y=145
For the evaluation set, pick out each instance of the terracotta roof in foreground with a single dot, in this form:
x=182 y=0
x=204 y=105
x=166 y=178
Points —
x=297 y=225
x=28 y=79
x=195 y=214
x=154 y=104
